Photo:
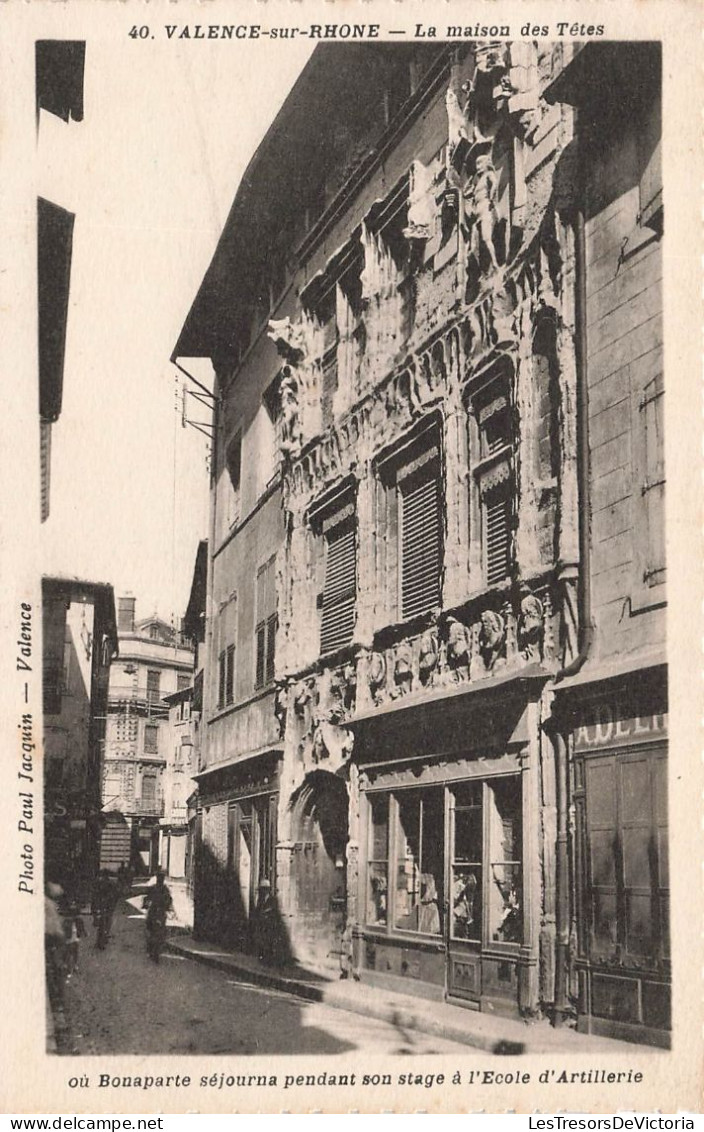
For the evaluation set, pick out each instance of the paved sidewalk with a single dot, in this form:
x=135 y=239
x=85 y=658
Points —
x=480 y=1030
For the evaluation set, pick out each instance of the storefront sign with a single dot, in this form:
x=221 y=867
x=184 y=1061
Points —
x=608 y=725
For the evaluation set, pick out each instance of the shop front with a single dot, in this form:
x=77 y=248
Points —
x=619 y=780
x=235 y=850
x=449 y=879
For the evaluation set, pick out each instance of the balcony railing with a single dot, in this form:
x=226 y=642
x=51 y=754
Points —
x=146 y=807
x=126 y=698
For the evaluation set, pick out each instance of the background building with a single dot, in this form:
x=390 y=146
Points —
x=79 y=643
x=155 y=661
x=437 y=555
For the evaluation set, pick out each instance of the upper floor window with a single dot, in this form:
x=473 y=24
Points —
x=340 y=584
x=183 y=681
x=491 y=442
x=153 y=685
x=151 y=739
x=410 y=558
x=265 y=600
x=226 y=633
x=233 y=458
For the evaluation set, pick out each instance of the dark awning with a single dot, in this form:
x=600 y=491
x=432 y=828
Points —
x=54 y=248
x=59 y=77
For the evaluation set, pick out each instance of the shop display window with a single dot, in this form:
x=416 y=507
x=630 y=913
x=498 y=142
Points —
x=378 y=860
x=419 y=861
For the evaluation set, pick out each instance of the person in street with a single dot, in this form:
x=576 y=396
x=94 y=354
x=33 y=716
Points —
x=74 y=932
x=103 y=904
x=265 y=923
x=54 y=948
x=124 y=881
x=158 y=903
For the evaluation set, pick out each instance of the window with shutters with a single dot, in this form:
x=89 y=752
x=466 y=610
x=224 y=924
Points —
x=410 y=525
x=265 y=633
x=419 y=534
x=340 y=585
x=649 y=495
x=226 y=636
x=491 y=451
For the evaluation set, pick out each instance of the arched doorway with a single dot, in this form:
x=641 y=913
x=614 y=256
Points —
x=319 y=833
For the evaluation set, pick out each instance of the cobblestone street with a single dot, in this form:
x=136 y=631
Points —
x=120 y=1002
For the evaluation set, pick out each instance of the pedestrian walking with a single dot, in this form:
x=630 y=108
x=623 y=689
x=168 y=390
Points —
x=158 y=903
x=74 y=932
x=103 y=903
x=124 y=881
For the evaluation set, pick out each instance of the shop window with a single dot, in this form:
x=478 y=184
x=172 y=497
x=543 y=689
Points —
x=151 y=739
x=340 y=585
x=467 y=857
x=265 y=599
x=378 y=861
x=419 y=886
x=627 y=888
x=504 y=861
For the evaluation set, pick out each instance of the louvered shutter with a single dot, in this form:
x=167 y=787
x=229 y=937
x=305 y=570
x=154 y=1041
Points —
x=339 y=592
x=497 y=536
x=420 y=544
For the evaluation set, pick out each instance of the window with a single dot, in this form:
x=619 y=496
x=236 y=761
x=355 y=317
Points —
x=226 y=634
x=491 y=439
x=624 y=828
x=153 y=686
x=233 y=460
x=418 y=894
x=151 y=739
x=183 y=681
x=486 y=861
x=378 y=860
x=409 y=518
x=266 y=623
x=149 y=789
x=340 y=585
x=408 y=851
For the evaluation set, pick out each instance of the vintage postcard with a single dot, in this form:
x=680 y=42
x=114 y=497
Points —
x=351 y=556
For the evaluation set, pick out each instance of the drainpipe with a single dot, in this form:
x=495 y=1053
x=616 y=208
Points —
x=586 y=629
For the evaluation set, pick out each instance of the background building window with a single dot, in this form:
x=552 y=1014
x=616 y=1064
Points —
x=266 y=623
x=653 y=486
x=151 y=739
x=183 y=681
x=153 y=686
x=149 y=789
x=340 y=585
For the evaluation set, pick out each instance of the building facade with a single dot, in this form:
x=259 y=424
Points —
x=79 y=643
x=438 y=292
x=155 y=662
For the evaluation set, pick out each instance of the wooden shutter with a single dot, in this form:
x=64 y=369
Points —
x=230 y=674
x=266 y=623
x=651 y=409
x=497 y=536
x=340 y=586
x=420 y=543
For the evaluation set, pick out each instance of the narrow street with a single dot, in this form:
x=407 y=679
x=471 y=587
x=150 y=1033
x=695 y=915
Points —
x=121 y=1002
